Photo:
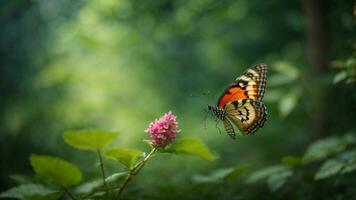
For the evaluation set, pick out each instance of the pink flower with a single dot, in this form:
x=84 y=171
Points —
x=164 y=130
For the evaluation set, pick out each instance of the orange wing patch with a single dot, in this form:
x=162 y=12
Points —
x=232 y=94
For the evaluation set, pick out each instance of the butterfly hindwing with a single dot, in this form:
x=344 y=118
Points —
x=247 y=114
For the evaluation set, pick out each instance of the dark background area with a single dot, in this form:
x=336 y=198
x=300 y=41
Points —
x=117 y=65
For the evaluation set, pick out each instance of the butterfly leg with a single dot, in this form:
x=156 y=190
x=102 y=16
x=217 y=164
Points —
x=216 y=125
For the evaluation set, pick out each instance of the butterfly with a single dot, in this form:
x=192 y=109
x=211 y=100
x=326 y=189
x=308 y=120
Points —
x=241 y=103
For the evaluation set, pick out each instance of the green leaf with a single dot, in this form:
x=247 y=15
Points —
x=274 y=95
x=192 y=147
x=58 y=170
x=286 y=68
x=222 y=174
x=349 y=159
x=277 y=180
x=26 y=190
x=216 y=176
x=20 y=179
x=287 y=104
x=53 y=196
x=279 y=80
x=116 y=176
x=349 y=167
x=89 y=187
x=237 y=171
x=265 y=173
x=125 y=156
x=292 y=161
x=349 y=138
x=93 y=139
x=339 y=77
x=329 y=168
x=323 y=148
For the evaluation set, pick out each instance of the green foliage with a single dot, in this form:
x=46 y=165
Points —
x=61 y=172
x=213 y=177
x=116 y=64
x=237 y=171
x=329 y=168
x=31 y=191
x=287 y=104
x=125 y=156
x=277 y=180
x=343 y=163
x=89 y=186
x=286 y=97
x=276 y=176
x=53 y=196
x=192 y=146
x=326 y=147
x=347 y=72
x=287 y=69
x=292 y=161
x=89 y=139
x=222 y=174
x=264 y=173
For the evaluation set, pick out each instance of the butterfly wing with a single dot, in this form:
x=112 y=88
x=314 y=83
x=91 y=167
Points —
x=247 y=114
x=250 y=85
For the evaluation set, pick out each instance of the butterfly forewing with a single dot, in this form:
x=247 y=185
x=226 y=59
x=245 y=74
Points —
x=250 y=85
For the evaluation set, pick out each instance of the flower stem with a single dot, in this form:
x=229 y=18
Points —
x=135 y=170
x=102 y=169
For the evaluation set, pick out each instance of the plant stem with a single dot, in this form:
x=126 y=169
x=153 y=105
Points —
x=135 y=170
x=69 y=193
x=102 y=169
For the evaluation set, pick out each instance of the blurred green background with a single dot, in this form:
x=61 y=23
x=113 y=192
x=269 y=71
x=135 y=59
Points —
x=118 y=65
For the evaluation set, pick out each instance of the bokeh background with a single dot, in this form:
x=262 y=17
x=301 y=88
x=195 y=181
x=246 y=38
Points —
x=118 y=65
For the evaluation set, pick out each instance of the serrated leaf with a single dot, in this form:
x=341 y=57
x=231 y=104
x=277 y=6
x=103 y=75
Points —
x=329 y=168
x=55 y=169
x=237 y=171
x=287 y=103
x=26 y=190
x=277 y=180
x=265 y=173
x=125 y=156
x=192 y=147
x=216 y=176
x=323 y=148
x=93 y=139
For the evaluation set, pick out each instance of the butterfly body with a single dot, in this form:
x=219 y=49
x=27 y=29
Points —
x=241 y=103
